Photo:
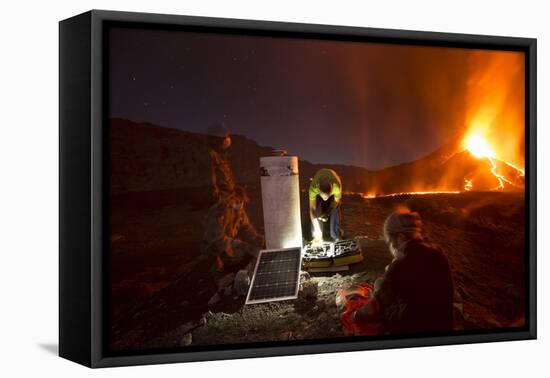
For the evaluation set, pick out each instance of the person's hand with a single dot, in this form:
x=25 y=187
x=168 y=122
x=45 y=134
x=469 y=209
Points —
x=317 y=232
x=323 y=218
x=317 y=240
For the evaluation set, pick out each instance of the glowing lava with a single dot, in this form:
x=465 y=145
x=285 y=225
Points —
x=480 y=147
x=475 y=164
x=468 y=185
x=410 y=194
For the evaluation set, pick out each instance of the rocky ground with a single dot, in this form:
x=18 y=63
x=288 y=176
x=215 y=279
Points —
x=315 y=314
x=162 y=295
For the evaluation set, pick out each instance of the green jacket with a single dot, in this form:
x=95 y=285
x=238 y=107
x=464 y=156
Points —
x=332 y=177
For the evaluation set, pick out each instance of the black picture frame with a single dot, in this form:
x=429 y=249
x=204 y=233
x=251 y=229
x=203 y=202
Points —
x=84 y=203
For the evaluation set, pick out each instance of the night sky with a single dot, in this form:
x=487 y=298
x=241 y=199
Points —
x=369 y=105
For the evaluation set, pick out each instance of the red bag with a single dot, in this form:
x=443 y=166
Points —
x=354 y=298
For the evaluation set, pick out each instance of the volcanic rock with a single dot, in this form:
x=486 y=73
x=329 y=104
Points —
x=186 y=340
x=308 y=290
x=216 y=298
x=226 y=281
x=242 y=282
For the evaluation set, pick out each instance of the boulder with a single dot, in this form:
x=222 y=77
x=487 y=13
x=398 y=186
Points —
x=225 y=281
x=214 y=300
x=308 y=290
x=186 y=340
x=241 y=283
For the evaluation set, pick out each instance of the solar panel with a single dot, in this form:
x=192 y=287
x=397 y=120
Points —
x=276 y=276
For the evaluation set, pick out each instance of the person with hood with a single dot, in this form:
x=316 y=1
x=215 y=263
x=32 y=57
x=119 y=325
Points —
x=415 y=295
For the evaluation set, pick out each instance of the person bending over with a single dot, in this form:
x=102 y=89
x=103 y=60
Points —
x=325 y=195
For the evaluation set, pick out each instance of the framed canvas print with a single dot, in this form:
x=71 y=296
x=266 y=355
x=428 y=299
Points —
x=233 y=188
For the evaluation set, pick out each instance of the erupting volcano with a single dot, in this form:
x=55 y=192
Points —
x=472 y=164
x=506 y=174
x=486 y=152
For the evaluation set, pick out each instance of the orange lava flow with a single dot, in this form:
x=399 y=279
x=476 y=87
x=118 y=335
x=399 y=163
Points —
x=468 y=185
x=489 y=165
x=521 y=171
x=501 y=179
x=480 y=147
x=410 y=194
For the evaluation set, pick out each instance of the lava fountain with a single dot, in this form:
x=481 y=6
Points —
x=480 y=147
